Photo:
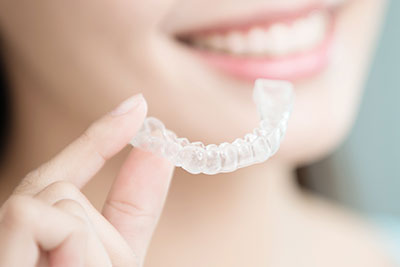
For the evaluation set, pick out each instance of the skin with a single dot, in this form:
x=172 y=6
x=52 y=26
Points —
x=69 y=62
x=55 y=223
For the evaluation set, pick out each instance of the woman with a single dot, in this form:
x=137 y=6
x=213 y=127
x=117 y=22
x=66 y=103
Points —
x=68 y=62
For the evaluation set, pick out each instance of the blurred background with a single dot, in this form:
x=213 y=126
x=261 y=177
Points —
x=364 y=173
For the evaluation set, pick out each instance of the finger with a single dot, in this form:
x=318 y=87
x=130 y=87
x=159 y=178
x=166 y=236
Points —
x=137 y=197
x=30 y=224
x=118 y=250
x=79 y=161
x=95 y=255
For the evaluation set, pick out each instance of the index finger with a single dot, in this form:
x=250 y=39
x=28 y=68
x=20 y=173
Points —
x=84 y=157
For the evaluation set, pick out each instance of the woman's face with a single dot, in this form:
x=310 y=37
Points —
x=195 y=61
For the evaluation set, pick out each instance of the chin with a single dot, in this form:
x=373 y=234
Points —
x=303 y=147
x=319 y=125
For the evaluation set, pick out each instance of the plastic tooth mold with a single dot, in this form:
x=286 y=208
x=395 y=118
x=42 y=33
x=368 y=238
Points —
x=274 y=101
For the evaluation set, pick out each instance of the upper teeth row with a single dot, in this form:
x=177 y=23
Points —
x=276 y=40
x=274 y=105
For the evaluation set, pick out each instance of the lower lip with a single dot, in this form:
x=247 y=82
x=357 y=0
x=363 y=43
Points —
x=294 y=67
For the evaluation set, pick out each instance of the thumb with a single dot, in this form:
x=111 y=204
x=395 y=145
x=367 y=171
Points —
x=137 y=197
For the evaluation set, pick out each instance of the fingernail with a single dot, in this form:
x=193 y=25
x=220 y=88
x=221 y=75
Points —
x=128 y=105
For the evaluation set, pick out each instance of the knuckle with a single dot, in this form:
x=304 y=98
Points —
x=19 y=210
x=63 y=189
x=72 y=207
x=36 y=173
x=30 y=182
x=69 y=205
x=32 y=174
x=77 y=212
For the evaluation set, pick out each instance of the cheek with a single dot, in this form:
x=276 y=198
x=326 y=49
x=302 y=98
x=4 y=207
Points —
x=322 y=115
x=76 y=49
x=325 y=107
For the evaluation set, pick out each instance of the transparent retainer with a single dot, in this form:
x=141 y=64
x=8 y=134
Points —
x=274 y=101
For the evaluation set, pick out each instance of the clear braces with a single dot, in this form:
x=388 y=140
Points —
x=274 y=101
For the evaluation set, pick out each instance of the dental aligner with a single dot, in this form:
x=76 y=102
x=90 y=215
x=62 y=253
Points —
x=274 y=100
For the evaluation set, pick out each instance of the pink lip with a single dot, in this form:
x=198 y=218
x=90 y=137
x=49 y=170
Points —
x=294 y=67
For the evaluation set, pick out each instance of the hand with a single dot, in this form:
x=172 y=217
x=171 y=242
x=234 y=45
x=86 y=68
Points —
x=49 y=222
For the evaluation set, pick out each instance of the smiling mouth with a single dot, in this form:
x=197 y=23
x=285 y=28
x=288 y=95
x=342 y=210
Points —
x=289 y=46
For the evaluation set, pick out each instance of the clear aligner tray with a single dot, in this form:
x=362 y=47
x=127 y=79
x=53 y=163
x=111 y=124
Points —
x=274 y=101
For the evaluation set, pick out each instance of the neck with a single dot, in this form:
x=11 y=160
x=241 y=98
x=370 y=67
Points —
x=214 y=216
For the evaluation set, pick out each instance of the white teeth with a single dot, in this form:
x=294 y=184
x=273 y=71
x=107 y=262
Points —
x=217 y=41
x=236 y=42
x=273 y=100
x=321 y=22
x=278 y=39
x=257 y=40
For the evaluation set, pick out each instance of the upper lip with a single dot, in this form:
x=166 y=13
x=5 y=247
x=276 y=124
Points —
x=259 y=17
